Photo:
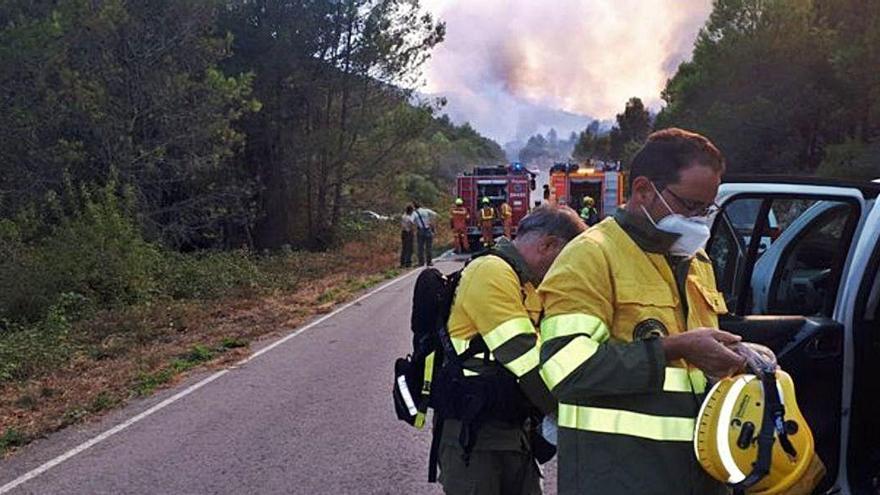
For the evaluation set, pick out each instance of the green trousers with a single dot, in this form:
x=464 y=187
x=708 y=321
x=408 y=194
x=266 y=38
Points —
x=500 y=464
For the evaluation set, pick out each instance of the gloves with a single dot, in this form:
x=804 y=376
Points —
x=758 y=357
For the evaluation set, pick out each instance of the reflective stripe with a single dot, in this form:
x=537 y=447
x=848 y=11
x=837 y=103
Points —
x=460 y=345
x=573 y=324
x=428 y=375
x=407 y=397
x=525 y=363
x=426 y=390
x=723 y=429
x=508 y=330
x=698 y=380
x=567 y=359
x=613 y=421
x=684 y=380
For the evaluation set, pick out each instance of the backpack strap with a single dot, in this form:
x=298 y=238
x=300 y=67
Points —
x=422 y=224
x=422 y=406
x=470 y=423
x=435 y=448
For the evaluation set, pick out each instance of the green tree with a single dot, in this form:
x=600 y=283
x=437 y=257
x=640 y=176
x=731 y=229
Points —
x=761 y=85
x=88 y=89
x=333 y=78
x=635 y=121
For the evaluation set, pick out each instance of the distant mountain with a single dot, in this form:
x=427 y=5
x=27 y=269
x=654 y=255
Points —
x=508 y=119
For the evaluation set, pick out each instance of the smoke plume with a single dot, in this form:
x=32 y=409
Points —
x=516 y=67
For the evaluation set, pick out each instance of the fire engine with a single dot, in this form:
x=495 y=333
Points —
x=513 y=184
x=571 y=182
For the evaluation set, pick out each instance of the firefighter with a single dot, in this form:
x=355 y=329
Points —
x=589 y=213
x=496 y=303
x=629 y=365
x=506 y=213
x=487 y=219
x=458 y=220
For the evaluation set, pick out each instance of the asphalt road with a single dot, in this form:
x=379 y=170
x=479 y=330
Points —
x=310 y=415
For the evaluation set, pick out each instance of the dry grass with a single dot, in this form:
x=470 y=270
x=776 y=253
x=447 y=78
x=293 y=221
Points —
x=130 y=353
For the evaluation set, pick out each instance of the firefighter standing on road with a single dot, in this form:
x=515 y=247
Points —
x=458 y=219
x=589 y=213
x=630 y=325
x=496 y=301
x=487 y=219
x=506 y=213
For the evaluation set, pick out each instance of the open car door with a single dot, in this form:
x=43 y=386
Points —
x=780 y=249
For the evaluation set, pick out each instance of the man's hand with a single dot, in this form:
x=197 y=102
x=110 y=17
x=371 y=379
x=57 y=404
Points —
x=705 y=348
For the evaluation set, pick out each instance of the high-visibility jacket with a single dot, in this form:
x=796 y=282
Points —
x=588 y=211
x=626 y=416
x=459 y=216
x=487 y=213
x=492 y=302
x=506 y=211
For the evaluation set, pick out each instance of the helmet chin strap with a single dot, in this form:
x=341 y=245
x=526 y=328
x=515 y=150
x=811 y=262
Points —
x=772 y=424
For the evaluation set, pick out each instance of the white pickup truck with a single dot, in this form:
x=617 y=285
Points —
x=802 y=278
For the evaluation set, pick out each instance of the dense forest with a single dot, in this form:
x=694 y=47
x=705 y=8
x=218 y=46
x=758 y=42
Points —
x=221 y=123
x=155 y=150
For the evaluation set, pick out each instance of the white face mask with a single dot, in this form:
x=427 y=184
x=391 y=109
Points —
x=693 y=232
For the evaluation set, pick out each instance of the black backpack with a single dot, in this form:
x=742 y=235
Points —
x=433 y=377
x=432 y=303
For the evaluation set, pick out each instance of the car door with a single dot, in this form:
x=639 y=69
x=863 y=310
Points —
x=781 y=272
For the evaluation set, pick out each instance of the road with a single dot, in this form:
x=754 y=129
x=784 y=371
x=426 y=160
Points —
x=309 y=413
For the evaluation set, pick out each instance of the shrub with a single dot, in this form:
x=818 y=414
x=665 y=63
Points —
x=26 y=351
x=96 y=251
x=208 y=274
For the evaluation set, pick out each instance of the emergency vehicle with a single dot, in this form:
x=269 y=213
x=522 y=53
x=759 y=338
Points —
x=570 y=182
x=513 y=183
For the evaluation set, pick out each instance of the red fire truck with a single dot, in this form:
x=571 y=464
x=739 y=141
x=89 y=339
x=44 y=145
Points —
x=513 y=183
x=571 y=182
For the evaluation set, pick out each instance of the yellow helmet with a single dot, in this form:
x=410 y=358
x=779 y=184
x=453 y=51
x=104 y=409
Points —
x=751 y=435
x=589 y=201
x=459 y=201
x=485 y=200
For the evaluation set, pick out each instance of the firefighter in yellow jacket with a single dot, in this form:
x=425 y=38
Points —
x=496 y=301
x=506 y=213
x=487 y=221
x=630 y=330
x=458 y=220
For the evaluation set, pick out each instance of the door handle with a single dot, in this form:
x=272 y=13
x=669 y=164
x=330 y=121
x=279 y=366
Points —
x=824 y=346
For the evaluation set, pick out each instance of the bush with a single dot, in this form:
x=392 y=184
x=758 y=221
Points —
x=96 y=251
x=851 y=160
x=26 y=351
x=208 y=274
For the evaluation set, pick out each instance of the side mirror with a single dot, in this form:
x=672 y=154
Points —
x=533 y=184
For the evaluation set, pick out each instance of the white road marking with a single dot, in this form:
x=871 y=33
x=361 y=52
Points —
x=192 y=388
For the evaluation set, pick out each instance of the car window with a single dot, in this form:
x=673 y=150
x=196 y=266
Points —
x=728 y=253
x=803 y=283
x=781 y=255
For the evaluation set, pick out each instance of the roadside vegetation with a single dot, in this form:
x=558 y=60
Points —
x=103 y=341
x=180 y=178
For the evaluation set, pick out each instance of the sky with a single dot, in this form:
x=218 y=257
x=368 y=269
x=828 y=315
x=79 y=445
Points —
x=516 y=67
